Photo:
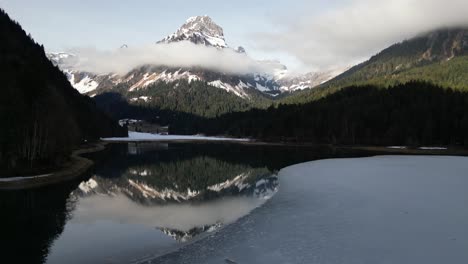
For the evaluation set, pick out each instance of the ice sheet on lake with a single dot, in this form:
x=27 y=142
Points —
x=387 y=209
x=119 y=228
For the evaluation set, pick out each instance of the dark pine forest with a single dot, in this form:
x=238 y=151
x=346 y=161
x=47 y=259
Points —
x=42 y=118
x=415 y=113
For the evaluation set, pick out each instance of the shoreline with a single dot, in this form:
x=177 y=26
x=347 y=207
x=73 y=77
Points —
x=448 y=151
x=76 y=167
x=139 y=137
x=378 y=150
x=79 y=165
x=149 y=137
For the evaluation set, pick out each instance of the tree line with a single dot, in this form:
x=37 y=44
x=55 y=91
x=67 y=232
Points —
x=414 y=113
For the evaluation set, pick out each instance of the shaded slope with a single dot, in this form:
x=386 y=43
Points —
x=43 y=117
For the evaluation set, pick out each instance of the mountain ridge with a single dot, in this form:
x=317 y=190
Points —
x=199 y=30
x=439 y=56
x=436 y=46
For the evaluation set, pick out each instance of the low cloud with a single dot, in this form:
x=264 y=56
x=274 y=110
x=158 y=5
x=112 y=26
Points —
x=180 y=54
x=356 y=29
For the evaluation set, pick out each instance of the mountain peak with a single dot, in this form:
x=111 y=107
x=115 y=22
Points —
x=202 y=24
x=198 y=18
x=199 y=30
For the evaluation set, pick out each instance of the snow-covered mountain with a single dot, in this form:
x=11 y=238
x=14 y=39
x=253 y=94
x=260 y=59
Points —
x=308 y=80
x=200 y=30
x=59 y=58
x=81 y=81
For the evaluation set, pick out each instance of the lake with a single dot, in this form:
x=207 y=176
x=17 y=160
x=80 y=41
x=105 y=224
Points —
x=226 y=203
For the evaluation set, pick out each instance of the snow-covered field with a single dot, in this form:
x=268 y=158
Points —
x=137 y=136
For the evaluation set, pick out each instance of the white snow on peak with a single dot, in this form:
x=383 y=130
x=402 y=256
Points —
x=165 y=76
x=296 y=87
x=85 y=85
x=290 y=82
x=261 y=88
x=237 y=90
x=243 y=85
x=216 y=41
x=191 y=19
x=58 y=57
x=199 y=30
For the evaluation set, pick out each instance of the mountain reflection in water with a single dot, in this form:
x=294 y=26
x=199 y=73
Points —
x=142 y=200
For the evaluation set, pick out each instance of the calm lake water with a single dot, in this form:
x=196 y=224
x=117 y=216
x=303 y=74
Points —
x=225 y=203
x=142 y=200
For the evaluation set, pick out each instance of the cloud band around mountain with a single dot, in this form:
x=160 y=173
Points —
x=354 y=30
x=181 y=54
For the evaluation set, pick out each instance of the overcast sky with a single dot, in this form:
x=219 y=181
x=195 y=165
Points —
x=308 y=35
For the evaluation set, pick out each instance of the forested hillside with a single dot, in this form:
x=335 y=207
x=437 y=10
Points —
x=42 y=117
x=415 y=113
x=440 y=57
x=195 y=98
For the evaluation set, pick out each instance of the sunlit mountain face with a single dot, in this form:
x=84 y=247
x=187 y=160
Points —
x=272 y=80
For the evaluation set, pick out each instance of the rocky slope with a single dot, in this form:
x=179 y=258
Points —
x=199 y=30
x=440 y=57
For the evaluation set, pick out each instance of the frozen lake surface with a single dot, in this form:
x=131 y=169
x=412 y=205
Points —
x=239 y=203
x=386 y=209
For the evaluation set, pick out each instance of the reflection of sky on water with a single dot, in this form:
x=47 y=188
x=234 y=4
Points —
x=152 y=204
x=181 y=216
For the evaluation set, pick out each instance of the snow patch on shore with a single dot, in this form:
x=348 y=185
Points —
x=12 y=179
x=432 y=148
x=137 y=136
x=397 y=147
